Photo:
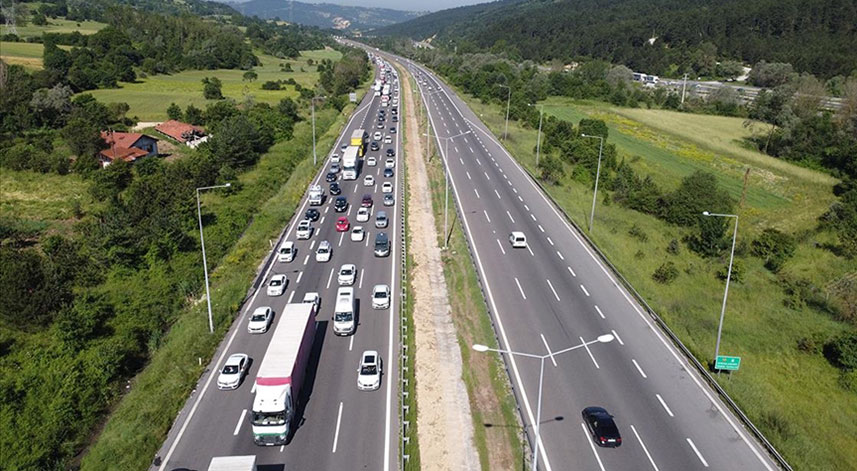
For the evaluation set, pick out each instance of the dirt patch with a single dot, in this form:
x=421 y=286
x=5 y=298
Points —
x=445 y=426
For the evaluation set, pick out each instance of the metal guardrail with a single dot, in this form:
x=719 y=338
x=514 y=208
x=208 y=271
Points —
x=405 y=386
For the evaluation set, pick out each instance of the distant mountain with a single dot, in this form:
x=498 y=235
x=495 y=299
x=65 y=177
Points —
x=817 y=36
x=325 y=15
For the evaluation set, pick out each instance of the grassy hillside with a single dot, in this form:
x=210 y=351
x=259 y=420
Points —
x=148 y=97
x=56 y=25
x=325 y=15
x=792 y=394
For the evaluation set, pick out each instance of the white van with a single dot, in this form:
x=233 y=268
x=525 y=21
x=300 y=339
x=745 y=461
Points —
x=518 y=240
x=287 y=252
x=343 y=314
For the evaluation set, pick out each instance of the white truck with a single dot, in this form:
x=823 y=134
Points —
x=281 y=375
x=233 y=463
x=349 y=163
x=316 y=195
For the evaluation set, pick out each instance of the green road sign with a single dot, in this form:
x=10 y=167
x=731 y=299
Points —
x=727 y=363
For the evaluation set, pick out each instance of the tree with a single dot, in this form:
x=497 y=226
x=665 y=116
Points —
x=808 y=95
x=234 y=142
x=551 y=169
x=194 y=115
x=619 y=74
x=52 y=105
x=249 y=76
x=174 y=111
x=730 y=70
x=842 y=351
x=698 y=192
x=212 y=88
x=83 y=137
x=710 y=238
x=774 y=247
x=773 y=74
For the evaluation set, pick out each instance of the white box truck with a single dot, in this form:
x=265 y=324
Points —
x=343 y=313
x=316 y=195
x=349 y=163
x=281 y=375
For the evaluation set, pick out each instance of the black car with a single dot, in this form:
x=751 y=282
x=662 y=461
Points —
x=374 y=146
x=393 y=130
x=381 y=119
x=388 y=173
x=312 y=214
x=601 y=426
x=366 y=202
x=340 y=204
x=334 y=189
x=395 y=119
x=331 y=177
x=391 y=153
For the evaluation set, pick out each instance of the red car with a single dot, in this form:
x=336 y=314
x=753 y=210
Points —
x=342 y=224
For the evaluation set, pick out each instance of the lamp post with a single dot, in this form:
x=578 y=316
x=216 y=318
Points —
x=202 y=243
x=446 y=175
x=312 y=106
x=597 y=175
x=508 y=102
x=728 y=277
x=484 y=348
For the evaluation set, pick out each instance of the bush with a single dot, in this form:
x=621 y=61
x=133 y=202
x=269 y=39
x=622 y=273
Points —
x=271 y=85
x=774 y=247
x=674 y=247
x=738 y=271
x=638 y=233
x=666 y=273
x=799 y=291
x=212 y=88
x=841 y=352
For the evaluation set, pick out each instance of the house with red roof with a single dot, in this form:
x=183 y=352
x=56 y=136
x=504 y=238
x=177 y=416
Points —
x=128 y=146
x=183 y=133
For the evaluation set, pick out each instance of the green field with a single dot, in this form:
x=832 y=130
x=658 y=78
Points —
x=149 y=97
x=56 y=25
x=792 y=396
x=48 y=198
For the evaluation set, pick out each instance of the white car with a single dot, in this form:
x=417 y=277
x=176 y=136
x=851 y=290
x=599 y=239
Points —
x=518 y=240
x=377 y=136
x=260 y=320
x=313 y=298
x=387 y=187
x=390 y=162
x=381 y=297
x=388 y=140
x=371 y=161
x=369 y=371
x=363 y=214
x=368 y=180
x=334 y=159
x=357 y=234
x=287 y=252
x=323 y=252
x=233 y=371
x=304 y=230
x=277 y=285
x=347 y=274
x=381 y=219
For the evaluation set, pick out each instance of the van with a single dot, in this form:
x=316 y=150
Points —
x=287 y=252
x=343 y=314
x=382 y=245
x=518 y=240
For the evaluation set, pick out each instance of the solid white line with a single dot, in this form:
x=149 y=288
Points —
x=698 y=454
x=240 y=421
x=330 y=278
x=486 y=216
x=584 y=290
x=300 y=275
x=510 y=215
x=497 y=193
x=571 y=271
x=559 y=254
x=468 y=175
x=589 y=352
x=663 y=403
x=292 y=295
x=549 y=240
x=338 y=423
x=501 y=247
x=360 y=285
x=644 y=448
x=592 y=445
x=477 y=193
x=553 y=290
x=520 y=289
x=642 y=373
x=618 y=338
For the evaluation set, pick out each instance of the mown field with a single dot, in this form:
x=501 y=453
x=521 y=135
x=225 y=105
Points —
x=149 y=97
x=793 y=396
x=57 y=25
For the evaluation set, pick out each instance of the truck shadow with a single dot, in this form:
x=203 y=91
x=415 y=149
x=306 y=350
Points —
x=312 y=370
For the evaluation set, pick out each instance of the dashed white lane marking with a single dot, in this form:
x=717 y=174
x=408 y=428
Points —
x=589 y=352
x=461 y=160
x=571 y=271
x=541 y=228
x=530 y=250
x=664 y=404
x=292 y=295
x=312 y=245
x=477 y=193
x=478 y=161
x=698 y=454
x=360 y=284
x=513 y=189
x=486 y=216
x=501 y=247
x=341 y=236
x=338 y=423
x=592 y=445
x=330 y=278
x=526 y=207
x=510 y=216
x=326 y=208
x=240 y=421
x=456 y=149
x=584 y=290
x=533 y=216
x=471 y=149
x=306 y=259
x=300 y=275
x=468 y=175
x=509 y=182
x=618 y=338
x=553 y=290
x=599 y=312
x=322 y=220
x=520 y=199
x=351 y=344
x=520 y=289
x=498 y=194
x=486 y=176
x=550 y=241
x=559 y=254
x=644 y=448
x=642 y=373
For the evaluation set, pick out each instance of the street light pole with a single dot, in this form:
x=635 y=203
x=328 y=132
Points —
x=446 y=179
x=508 y=102
x=312 y=106
x=539 y=136
x=597 y=175
x=728 y=277
x=484 y=348
x=202 y=243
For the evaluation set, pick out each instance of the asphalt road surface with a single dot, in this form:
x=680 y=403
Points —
x=341 y=427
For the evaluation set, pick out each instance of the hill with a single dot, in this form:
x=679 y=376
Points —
x=325 y=15
x=656 y=36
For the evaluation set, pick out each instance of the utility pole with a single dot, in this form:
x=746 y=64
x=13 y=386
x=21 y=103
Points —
x=683 y=89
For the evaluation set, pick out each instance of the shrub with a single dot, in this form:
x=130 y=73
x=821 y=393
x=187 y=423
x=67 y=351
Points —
x=212 y=88
x=841 y=352
x=774 y=247
x=798 y=291
x=271 y=85
x=737 y=271
x=666 y=273
x=674 y=247
x=638 y=233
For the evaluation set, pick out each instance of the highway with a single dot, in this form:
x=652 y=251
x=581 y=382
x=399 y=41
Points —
x=341 y=427
x=556 y=294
